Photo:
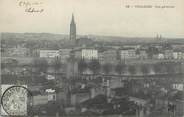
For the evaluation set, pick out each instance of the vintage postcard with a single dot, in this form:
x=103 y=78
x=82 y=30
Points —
x=92 y=58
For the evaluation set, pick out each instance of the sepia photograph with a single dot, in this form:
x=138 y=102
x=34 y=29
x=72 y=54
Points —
x=92 y=58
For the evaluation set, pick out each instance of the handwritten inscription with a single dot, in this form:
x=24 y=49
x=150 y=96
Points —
x=149 y=6
x=31 y=6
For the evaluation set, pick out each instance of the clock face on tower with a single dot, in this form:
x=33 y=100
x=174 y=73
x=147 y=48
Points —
x=14 y=100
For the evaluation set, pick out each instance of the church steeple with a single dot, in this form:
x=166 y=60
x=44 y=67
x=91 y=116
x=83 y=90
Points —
x=72 y=29
x=73 y=20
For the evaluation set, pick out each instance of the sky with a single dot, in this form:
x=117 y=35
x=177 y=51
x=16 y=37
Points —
x=98 y=17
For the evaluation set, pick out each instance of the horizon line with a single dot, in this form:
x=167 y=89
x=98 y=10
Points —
x=152 y=37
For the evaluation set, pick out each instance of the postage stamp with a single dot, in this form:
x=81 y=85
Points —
x=14 y=100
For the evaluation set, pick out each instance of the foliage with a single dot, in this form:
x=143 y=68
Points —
x=57 y=64
x=94 y=66
x=170 y=68
x=151 y=51
x=120 y=68
x=157 y=67
x=107 y=68
x=40 y=65
x=82 y=65
x=145 y=69
x=132 y=69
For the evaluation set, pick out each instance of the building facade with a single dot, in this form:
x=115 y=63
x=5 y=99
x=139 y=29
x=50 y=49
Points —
x=18 y=51
x=64 y=54
x=108 y=56
x=143 y=54
x=89 y=54
x=168 y=54
x=177 y=55
x=49 y=53
x=128 y=54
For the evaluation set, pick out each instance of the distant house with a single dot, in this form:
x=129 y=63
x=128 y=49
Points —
x=168 y=54
x=116 y=83
x=64 y=54
x=143 y=54
x=178 y=102
x=89 y=54
x=108 y=56
x=179 y=107
x=178 y=86
x=51 y=94
x=78 y=54
x=96 y=91
x=44 y=98
x=139 y=101
x=128 y=54
x=177 y=55
x=112 y=84
x=40 y=99
x=18 y=51
x=160 y=56
x=50 y=77
x=49 y=53
x=80 y=95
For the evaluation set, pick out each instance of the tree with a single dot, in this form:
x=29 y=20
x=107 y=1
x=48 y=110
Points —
x=151 y=51
x=82 y=66
x=167 y=67
x=157 y=68
x=57 y=64
x=144 y=69
x=94 y=66
x=120 y=67
x=132 y=69
x=160 y=67
x=170 y=68
x=40 y=65
x=107 y=68
x=10 y=63
x=3 y=65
